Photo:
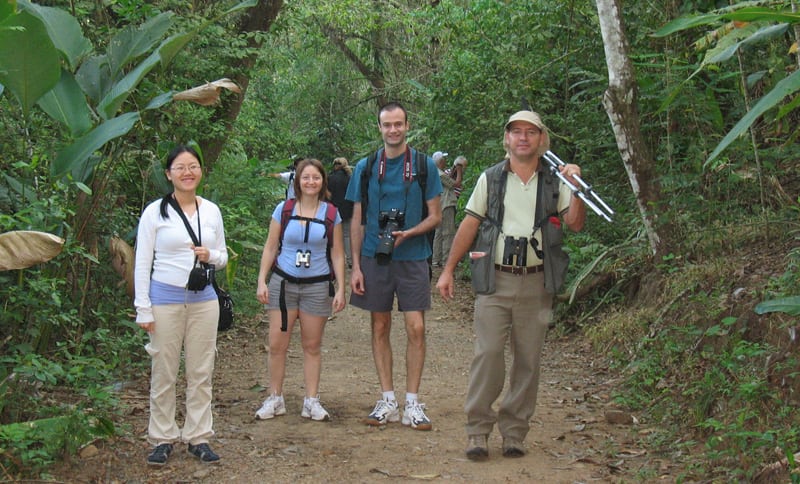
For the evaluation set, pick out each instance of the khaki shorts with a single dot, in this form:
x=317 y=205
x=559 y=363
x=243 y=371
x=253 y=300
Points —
x=409 y=280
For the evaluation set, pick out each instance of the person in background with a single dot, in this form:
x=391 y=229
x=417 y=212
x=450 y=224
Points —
x=443 y=238
x=457 y=174
x=300 y=287
x=392 y=185
x=175 y=317
x=515 y=281
x=338 y=180
x=288 y=177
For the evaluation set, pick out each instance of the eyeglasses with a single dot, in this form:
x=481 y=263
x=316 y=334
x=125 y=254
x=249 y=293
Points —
x=181 y=168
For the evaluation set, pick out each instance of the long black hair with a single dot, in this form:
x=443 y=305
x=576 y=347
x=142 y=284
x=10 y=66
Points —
x=170 y=158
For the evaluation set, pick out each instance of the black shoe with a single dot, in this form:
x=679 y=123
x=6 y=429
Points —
x=159 y=455
x=203 y=452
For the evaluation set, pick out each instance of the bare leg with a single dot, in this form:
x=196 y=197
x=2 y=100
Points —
x=415 y=349
x=382 y=348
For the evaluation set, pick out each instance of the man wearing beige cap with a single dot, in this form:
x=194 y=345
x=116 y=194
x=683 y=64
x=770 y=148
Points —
x=514 y=218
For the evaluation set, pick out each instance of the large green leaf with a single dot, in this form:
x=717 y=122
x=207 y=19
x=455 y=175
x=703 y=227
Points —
x=64 y=31
x=789 y=305
x=72 y=158
x=728 y=45
x=113 y=100
x=135 y=41
x=66 y=103
x=787 y=86
x=6 y=10
x=93 y=77
x=29 y=65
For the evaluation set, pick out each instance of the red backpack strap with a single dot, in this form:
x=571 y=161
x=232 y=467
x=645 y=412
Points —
x=286 y=214
x=330 y=220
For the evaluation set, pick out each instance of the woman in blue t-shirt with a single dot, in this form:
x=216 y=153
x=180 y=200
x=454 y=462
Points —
x=300 y=286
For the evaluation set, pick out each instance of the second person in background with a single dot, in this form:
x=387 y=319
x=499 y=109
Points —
x=303 y=248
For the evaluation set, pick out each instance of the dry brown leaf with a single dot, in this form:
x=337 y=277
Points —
x=122 y=259
x=23 y=248
x=208 y=93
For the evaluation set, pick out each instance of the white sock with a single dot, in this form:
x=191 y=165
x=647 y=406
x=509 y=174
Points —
x=411 y=398
x=389 y=396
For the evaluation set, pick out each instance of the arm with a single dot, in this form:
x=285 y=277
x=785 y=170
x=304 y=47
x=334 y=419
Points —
x=576 y=214
x=462 y=241
x=143 y=265
x=268 y=256
x=337 y=257
x=356 y=240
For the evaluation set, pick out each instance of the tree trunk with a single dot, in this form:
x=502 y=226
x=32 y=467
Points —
x=620 y=102
x=258 y=18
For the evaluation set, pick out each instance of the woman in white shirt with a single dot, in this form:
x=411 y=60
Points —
x=174 y=316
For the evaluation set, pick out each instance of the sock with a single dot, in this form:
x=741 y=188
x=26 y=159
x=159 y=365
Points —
x=411 y=398
x=389 y=396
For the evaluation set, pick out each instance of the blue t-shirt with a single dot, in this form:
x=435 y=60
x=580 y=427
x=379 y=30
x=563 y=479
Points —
x=312 y=245
x=394 y=193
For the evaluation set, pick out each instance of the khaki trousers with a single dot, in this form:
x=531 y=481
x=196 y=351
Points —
x=445 y=233
x=519 y=312
x=193 y=328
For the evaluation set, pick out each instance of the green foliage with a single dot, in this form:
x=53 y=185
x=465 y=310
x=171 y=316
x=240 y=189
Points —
x=28 y=447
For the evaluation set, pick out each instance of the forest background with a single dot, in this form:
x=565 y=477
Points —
x=683 y=114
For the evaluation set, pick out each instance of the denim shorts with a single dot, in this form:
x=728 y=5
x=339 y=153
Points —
x=409 y=280
x=312 y=299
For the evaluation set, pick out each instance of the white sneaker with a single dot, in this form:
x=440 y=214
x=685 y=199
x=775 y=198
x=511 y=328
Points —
x=383 y=413
x=271 y=407
x=414 y=415
x=313 y=409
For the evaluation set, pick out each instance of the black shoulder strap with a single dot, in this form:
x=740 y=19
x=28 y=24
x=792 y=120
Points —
x=195 y=238
x=365 y=175
x=421 y=160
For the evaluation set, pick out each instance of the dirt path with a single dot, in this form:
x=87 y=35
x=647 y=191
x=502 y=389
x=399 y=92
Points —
x=570 y=440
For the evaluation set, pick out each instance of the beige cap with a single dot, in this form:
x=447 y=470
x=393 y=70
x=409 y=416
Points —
x=528 y=117
x=534 y=119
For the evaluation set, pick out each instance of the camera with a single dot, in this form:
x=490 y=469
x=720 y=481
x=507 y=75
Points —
x=515 y=249
x=302 y=259
x=389 y=222
x=200 y=276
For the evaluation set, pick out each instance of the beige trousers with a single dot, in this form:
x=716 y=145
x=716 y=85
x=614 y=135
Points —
x=193 y=329
x=518 y=312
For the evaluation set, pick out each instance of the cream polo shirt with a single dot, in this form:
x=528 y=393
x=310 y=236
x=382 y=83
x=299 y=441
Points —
x=519 y=216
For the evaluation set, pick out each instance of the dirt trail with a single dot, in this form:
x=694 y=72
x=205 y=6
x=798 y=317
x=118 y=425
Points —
x=570 y=440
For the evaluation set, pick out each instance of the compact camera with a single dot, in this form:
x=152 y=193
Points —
x=302 y=259
x=389 y=222
x=200 y=276
x=515 y=251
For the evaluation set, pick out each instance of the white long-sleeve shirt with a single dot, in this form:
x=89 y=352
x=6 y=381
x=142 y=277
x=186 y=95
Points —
x=164 y=249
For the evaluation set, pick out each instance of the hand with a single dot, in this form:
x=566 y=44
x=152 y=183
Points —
x=149 y=327
x=203 y=254
x=446 y=285
x=338 y=301
x=357 y=281
x=570 y=171
x=262 y=293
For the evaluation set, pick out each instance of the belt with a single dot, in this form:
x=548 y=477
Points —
x=516 y=270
